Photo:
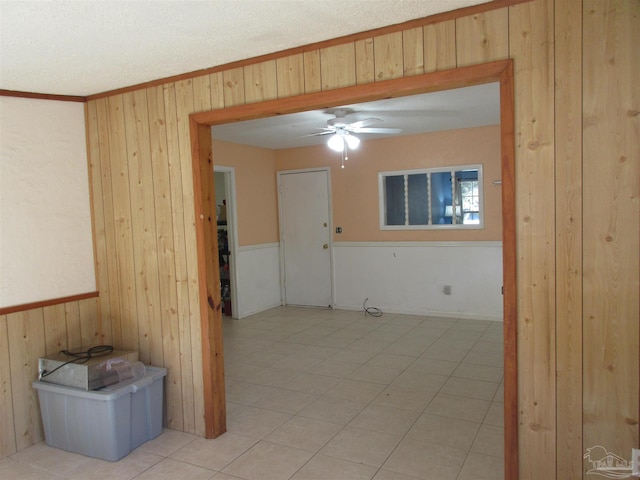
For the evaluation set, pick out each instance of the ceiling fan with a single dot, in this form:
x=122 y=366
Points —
x=341 y=123
x=342 y=129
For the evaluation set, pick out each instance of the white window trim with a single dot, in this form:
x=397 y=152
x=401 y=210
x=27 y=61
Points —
x=428 y=171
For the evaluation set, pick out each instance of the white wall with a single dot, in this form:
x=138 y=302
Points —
x=46 y=249
x=409 y=277
x=258 y=287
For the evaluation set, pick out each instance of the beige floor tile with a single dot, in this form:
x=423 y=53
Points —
x=268 y=461
x=304 y=433
x=214 y=454
x=244 y=393
x=384 y=419
x=391 y=361
x=382 y=375
x=493 y=359
x=447 y=432
x=332 y=368
x=356 y=390
x=128 y=467
x=53 y=460
x=13 y=469
x=255 y=422
x=489 y=441
x=479 y=372
x=454 y=406
x=425 y=461
x=420 y=380
x=467 y=387
x=407 y=398
x=361 y=446
x=312 y=383
x=332 y=409
x=482 y=467
x=322 y=467
x=167 y=442
x=358 y=357
x=169 y=469
x=388 y=475
x=286 y=401
x=495 y=415
x=434 y=366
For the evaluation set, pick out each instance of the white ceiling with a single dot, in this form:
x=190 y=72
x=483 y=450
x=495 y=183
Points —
x=84 y=47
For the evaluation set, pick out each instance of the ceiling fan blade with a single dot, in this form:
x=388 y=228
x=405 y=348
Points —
x=364 y=122
x=328 y=132
x=375 y=130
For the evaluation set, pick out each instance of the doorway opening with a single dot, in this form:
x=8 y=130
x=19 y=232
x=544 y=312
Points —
x=227 y=245
x=211 y=319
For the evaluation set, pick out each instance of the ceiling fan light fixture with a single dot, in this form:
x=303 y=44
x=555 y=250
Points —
x=352 y=141
x=336 y=142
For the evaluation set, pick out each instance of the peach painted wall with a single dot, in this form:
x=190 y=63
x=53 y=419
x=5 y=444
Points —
x=256 y=193
x=355 y=188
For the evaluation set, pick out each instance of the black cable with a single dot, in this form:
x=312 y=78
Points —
x=80 y=357
x=373 y=311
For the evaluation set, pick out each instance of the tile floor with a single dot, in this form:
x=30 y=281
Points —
x=330 y=395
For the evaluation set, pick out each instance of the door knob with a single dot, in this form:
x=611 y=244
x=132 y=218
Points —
x=325 y=246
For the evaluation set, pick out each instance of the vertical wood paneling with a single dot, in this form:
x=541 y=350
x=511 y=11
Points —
x=568 y=174
x=483 y=37
x=365 y=62
x=89 y=324
x=413 y=51
x=233 y=87
x=531 y=42
x=202 y=92
x=94 y=140
x=26 y=345
x=216 y=82
x=55 y=329
x=7 y=430
x=180 y=257
x=611 y=119
x=189 y=325
x=143 y=226
x=439 y=46
x=312 y=74
x=74 y=329
x=260 y=82
x=169 y=307
x=387 y=51
x=125 y=268
x=290 y=75
x=109 y=263
x=338 y=66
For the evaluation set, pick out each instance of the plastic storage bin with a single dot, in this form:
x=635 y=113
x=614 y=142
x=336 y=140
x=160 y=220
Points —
x=107 y=423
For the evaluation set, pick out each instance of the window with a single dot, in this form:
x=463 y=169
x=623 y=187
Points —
x=449 y=197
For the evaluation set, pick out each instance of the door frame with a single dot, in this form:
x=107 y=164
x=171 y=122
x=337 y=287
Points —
x=327 y=170
x=232 y=232
x=210 y=309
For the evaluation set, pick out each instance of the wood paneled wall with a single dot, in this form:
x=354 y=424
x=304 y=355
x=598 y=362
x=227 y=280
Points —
x=577 y=173
x=25 y=337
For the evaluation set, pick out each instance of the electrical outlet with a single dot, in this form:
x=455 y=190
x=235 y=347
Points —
x=635 y=462
x=447 y=289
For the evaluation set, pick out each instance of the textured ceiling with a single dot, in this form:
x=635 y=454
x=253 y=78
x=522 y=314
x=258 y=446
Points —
x=83 y=47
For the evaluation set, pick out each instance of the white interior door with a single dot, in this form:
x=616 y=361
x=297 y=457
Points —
x=305 y=238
